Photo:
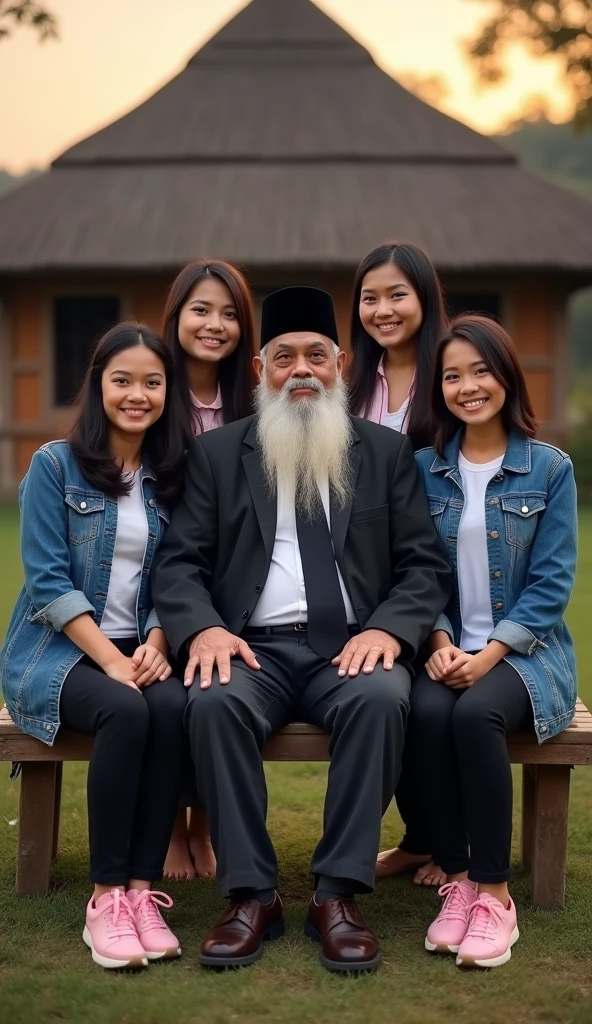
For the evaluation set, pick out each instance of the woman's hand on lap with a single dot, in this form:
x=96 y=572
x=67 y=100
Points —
x=123 y=670
x=150 y=665
x=440 y=661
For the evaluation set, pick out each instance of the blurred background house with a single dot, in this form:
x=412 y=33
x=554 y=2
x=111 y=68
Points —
x=281 y=146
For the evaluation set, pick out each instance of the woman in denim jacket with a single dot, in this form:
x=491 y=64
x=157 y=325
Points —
x=502 y=659
x=84 y=649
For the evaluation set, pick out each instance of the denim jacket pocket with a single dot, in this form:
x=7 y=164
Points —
x=437 y=506
x=83 y=515
x=521 y=514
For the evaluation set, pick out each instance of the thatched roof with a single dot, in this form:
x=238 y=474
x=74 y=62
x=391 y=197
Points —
x=282 y=143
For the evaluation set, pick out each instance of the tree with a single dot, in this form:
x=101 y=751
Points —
x=28 y=13
x=545 y=27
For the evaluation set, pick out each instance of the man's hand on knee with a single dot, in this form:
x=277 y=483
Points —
x=213 y=648
x=365 y=650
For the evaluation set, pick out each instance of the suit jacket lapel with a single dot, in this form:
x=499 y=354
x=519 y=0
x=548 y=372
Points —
x=265 y=503
x=340 y=515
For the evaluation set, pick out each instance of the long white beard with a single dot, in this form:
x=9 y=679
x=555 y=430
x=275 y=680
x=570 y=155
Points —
x=305 y=442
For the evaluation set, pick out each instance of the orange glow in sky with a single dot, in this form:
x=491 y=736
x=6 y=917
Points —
x=112 y=55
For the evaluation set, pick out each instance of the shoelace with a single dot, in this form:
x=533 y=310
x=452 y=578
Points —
x=456 y=902
x=119 y=916
x=482 y=916
x=146 y=907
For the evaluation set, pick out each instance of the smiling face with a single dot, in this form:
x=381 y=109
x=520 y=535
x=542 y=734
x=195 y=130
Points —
x=133 y=386
x=470 y=390
x=390 y=309
x=209 y=328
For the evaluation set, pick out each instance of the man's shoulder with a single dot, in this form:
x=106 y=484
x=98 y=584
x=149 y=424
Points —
x=223 y=440
x=377 y=435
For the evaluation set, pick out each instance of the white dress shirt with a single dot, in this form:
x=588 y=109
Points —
x=283 y=598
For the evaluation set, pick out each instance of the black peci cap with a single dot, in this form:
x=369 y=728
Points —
x=298 y=309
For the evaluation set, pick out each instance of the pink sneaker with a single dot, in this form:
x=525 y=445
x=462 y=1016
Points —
x=446 y=933
x=492 y=932
x=156 y=937
x=110 y=932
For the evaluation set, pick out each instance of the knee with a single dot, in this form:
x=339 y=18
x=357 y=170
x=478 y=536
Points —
x=472 y=717
x=206 y=709
x=128 y=713
x=166 y=702
x=384 y=694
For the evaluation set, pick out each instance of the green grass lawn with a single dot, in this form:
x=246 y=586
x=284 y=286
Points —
x=46 y=974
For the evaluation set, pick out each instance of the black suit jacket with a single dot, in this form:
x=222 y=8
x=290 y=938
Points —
x=214 y=558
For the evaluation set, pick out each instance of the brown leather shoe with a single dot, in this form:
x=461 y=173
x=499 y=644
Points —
x=237 y=938
x=347 y=943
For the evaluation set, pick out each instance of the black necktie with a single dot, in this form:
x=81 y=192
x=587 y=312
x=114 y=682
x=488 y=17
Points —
x=327 y=621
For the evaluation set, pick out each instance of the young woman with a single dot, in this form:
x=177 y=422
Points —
x=397 y=321
x=503 y=660
x=208 y=326
x=84 y=649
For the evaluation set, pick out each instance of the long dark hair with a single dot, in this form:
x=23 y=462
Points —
x=367 y=353
x=164 y=444
x=496 y=348
x=236 y=373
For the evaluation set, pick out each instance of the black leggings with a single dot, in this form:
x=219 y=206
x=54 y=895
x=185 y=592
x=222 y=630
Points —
x=134 y=773
x=456 y=747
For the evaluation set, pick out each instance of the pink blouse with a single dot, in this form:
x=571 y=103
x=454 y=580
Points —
x=377 y=408
x=211 y=415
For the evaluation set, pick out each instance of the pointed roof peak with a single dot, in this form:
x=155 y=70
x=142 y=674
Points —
x=293 y=31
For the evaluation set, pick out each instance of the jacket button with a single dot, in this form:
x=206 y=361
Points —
x=245 y=615
x=494 y=501
x=82 y=504
x=494 y=535
x=152 y=503
x=258 y=587
x=524 y=508
x=499 y=606
x=496 y=575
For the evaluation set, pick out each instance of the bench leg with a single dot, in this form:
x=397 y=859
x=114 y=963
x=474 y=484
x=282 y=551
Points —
x=56 y=809
x=528 y=799
x=549 y=850
x=36 y=831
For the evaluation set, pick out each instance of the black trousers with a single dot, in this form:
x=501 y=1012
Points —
x=456 y=745
x=134 y=773
x=228 y=725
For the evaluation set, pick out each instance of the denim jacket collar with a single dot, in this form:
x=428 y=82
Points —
x=518 y=457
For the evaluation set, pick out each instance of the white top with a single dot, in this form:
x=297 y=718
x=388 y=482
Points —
x=283 y=598
x=395 y=420
x=119 y=618
x=473 y=561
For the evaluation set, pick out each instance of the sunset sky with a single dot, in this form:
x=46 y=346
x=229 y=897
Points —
x=112 y=55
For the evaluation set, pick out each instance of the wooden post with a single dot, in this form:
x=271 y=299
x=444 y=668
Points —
x=56 y=809
x=528 y=800
x=36 y=831
x=549 y=849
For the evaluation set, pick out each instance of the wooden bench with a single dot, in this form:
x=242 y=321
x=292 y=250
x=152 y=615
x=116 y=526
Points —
x=545 y=794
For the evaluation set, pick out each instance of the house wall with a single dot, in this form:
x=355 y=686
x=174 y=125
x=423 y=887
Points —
x=532 y=308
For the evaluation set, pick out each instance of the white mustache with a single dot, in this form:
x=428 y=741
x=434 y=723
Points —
x=295 y=383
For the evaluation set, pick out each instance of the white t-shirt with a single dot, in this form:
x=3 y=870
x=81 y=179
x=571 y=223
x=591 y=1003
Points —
x=283 y=599
x=119 y=618
x=472 y=558
x=396 y=420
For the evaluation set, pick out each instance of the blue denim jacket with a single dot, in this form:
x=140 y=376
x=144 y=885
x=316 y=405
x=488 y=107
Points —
x=67 y=539
x=531 y=522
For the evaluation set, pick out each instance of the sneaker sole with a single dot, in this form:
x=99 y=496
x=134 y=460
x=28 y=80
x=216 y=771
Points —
x=497 y=961
x=339 y=966
x=440 y=947
x=134 y=964
x=166 y=954
x=275 y=931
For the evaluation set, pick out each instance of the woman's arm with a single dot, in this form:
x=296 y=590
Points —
x=44 y=545
x=551 y=573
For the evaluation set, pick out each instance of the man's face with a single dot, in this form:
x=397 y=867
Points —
x=298 y=356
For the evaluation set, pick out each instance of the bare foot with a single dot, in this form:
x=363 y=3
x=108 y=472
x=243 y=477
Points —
x=393 y=862
x=178 y=865
x=200 y=844
x=430 y=874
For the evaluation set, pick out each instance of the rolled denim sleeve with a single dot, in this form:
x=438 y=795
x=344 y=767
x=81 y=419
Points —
x=443 y=623
x=551 y=572
x=44 y=546
x=153 y=622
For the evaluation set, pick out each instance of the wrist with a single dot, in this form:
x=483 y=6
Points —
x=438 y=639
x=156 y=638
